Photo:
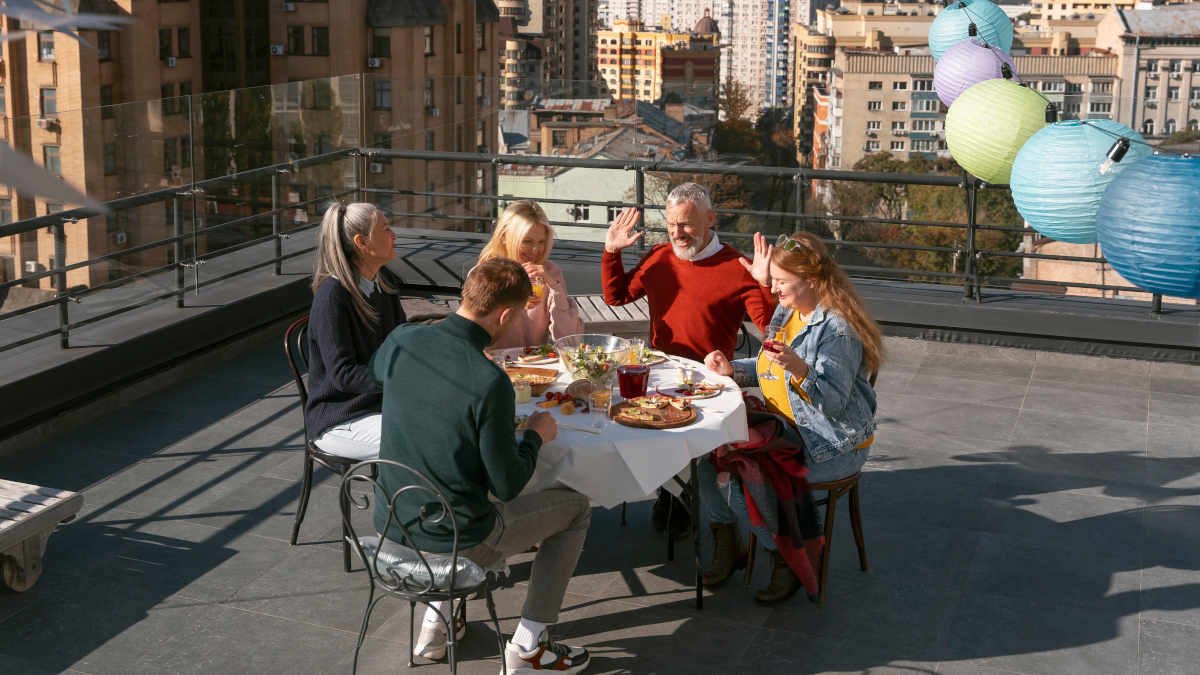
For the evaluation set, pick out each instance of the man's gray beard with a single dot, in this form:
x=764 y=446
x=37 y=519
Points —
x=686 y=253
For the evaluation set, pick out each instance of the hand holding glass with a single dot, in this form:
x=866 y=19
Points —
x=778 y=341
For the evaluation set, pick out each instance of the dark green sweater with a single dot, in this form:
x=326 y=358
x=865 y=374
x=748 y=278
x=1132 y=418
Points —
x=448 y=413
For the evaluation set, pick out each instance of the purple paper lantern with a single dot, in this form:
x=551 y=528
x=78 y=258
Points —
x=970 y=62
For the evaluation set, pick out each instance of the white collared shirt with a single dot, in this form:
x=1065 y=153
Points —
x=714 y=246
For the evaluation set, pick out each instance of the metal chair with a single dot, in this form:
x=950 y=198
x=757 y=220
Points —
x=295 y=348
x=403 y=570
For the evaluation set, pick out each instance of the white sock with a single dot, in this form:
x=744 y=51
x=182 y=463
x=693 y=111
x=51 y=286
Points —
x=528 y=634
x=431 y=612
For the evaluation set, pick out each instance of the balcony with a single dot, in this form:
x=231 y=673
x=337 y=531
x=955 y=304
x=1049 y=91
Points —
x=1071 y=477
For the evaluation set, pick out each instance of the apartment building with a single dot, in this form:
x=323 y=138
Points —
x=885 y=102
x=1042 y=13
x=640 y=64
x=521 y=69
x=147 y=109
x=517 y=10
x=568 y=29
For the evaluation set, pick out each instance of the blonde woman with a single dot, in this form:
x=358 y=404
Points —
x=354 y=307
x=814 y=370
x=523 y=234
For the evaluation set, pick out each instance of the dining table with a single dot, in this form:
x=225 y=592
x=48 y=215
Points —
x=612 y=463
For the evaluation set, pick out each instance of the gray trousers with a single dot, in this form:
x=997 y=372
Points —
x=557 y=521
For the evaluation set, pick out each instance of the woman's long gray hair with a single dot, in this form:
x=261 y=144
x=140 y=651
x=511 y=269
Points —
x=337 y=256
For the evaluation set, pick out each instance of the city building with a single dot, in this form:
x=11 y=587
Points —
x=645 y=65
x=1043 y=13
x=517 y=10
x=568 y=30
x=149 y=107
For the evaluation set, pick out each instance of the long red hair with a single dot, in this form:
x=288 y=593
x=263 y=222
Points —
x=811 y=260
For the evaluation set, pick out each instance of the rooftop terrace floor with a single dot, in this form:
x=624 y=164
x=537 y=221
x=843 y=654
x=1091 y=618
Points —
x=1025 y=512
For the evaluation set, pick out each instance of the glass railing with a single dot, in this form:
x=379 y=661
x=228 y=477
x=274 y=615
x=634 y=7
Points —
x=205 y=187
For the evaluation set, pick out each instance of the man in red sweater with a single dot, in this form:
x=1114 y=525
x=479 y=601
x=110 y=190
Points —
x=698 y=290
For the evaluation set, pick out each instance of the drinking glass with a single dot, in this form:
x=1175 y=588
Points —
x=539 y=288
x=633 y=381
x=636 y=346
x=600 y=399
x=778 y=336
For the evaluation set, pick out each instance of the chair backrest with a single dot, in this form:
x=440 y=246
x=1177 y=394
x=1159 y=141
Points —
x=295 y=348
x=404 y=569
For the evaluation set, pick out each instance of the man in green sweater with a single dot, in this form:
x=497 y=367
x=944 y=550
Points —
x=448 y=412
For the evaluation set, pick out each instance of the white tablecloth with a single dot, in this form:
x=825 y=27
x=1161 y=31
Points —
x=625 y=463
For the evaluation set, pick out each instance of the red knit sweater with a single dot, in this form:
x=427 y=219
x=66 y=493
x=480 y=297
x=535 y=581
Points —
x=695 y=307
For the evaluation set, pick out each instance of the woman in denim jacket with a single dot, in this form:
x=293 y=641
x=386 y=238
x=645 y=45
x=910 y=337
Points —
x=814 y=371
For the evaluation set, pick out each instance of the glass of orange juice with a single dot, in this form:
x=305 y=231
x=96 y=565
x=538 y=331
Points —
x=636 y=347
x=600 y=399
x=539 y=288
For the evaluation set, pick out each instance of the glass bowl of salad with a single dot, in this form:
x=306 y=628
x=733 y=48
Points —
x=592 y=357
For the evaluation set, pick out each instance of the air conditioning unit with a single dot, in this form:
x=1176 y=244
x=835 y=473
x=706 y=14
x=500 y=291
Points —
x=484 y=100
x=1175 y=75
x=32 y=267
x=1151 y=104
x=432 y=110
x=871 y=134
x=278 y=50
x=1196 y=104
x=374 y=62
x=49 y=123
x=375 y=167
x=289 y=6
x=171 y=62
x=1152 y=76
x=120 y=237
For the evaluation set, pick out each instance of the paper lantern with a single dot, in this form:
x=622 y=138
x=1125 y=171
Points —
x=952 y=26
x=967 y=63
x=988 y=124
x=1149 y=224
x=1056 y=178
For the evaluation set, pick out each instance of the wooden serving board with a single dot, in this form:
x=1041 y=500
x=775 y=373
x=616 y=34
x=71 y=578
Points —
x=668 y=417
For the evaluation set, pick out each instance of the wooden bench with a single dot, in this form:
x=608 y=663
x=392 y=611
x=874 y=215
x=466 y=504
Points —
x=28 y=514
x=632 y=320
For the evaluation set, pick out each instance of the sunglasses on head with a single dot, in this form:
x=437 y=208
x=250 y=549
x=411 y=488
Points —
x=786 y=243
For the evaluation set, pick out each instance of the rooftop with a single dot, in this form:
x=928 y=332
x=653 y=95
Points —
x=1165 y=21
x=1021 y=516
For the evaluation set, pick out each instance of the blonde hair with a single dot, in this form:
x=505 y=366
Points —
x=511 y=228
x=337 y=256
x=810 y=259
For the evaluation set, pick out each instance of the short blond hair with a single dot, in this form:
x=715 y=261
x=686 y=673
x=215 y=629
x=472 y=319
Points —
x=495 y=284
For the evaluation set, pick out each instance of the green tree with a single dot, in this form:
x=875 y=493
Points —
x=734 y=101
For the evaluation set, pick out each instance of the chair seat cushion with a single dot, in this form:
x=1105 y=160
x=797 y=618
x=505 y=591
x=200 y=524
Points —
x=397 y=561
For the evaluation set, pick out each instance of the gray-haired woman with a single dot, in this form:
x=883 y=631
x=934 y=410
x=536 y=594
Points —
x=355 y=306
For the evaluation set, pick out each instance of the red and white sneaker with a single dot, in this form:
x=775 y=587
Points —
x=548 y=656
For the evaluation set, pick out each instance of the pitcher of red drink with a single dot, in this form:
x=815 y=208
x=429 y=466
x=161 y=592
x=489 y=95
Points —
x=632 y=380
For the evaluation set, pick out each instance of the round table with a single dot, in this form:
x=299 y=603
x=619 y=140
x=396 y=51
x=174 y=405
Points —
x=611 y=463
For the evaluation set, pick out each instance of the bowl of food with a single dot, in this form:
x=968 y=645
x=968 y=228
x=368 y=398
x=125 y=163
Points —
x=539 y=379
x=592 y=357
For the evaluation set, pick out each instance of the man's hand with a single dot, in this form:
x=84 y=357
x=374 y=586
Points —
x=621 y=234
x=717 y=363
x=543 y=423
x=760 y=268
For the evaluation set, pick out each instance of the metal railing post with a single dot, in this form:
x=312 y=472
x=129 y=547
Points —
x=639 y=193
x=358 y=159
x=177 y=230
x=275 y=224
x=969 y=266
x=1156 y=303
x=800 y=200
x=60 y=283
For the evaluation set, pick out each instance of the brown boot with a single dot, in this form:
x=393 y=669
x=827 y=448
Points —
x=726 y=557
x=783 y=582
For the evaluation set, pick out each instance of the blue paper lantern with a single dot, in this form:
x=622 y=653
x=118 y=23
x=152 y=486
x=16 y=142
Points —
x=967 y=63
x=1056 y=179
x=952 y=26
x=1149 y=224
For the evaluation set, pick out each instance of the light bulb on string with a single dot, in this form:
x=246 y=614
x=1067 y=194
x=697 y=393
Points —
x=1115 y=154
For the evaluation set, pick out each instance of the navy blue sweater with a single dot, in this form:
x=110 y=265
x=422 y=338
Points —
x=340 y=384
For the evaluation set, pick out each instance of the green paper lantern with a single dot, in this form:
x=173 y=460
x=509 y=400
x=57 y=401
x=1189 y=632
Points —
x=988 y=124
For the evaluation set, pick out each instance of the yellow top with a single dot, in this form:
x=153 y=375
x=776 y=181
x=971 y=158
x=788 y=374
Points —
x=775 y=391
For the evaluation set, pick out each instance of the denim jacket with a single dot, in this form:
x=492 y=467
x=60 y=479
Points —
x=839 y=412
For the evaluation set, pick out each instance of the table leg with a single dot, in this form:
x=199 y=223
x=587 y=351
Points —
x=694 y=500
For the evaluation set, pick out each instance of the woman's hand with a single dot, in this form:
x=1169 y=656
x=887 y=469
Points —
x=535 y=271
x=717 y=363
x=760 y=267
x=789 y=360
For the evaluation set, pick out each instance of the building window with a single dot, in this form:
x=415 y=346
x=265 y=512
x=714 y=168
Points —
x=899 y=105
x=1172 y=93
x=922 y=85
x=873 y=125
x=480 y=37
x=429 y=188
x=428 y=32
x=872 y=146
x=897 y=145
x=110 y=159
x=104 y=45
x=383 y=94
x=170 y=155
x=50 y=159
x=164 y=43
x=49 y=101
x=185 y=151
x=1151 y=92
x=875 y=105
x=3 y=101
x=1054 y=85
x=875 y=84
x=324 y=144
x=899 y=85
x=381 y=46
x=899 y=126
x=106 y=101
x=295 y=39
x=322 y=97
x=5 y=211
x=1102 y=87
x=320 y=41
x=45 y=45
x=924 y=146
x=1152 y=66
x=170 y=105
x=925 y=105
x=383 y=140
x=923 y=125
x=430 y=140
x=1148 y=128
x=183 y=42
x=52 y=208
x=1095 y=108
x=458 y=38
x=1169 y=127
x=429 y=98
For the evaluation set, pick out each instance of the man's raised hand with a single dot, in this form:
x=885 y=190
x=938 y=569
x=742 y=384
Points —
x=621 y=232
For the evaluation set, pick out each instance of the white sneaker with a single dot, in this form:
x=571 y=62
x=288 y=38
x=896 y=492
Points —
x=546 y=656
x=431 y=641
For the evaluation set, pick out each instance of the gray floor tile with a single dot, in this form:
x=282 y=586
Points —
x=1175 y=384
x=1174 y=408
x=1051 y=429
x=876 y=653
x=971 y=367
x=1171 y=592
x=952 y=418
x=1128 y=404
x=1003 y=392
x=1169 y=648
